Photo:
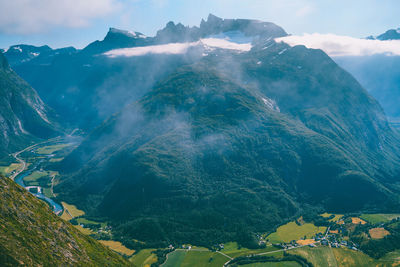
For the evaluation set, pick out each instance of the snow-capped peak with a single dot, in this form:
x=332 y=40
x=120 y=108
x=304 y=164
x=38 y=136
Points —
x=127 y=33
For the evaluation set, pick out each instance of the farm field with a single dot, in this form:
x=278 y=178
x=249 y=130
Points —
x=144 y=258
x=378 y=233
x=175 y=258
x=379 y=218
x=85 y=231
x=231 y=249
x=346 y=257
x=320 y=256
x=292 y=231
x=203 y=258
x=356 y=220
x=70 y=212
x=117 y=247
x=34 y=176
x=273 y=264
x=305 y=242
x=334 y=219
x=6 y=170
x=50 y=149
x=56 y=159
x=183 y=258
x=338 y=257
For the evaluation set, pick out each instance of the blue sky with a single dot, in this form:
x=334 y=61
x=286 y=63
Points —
x=60 y=23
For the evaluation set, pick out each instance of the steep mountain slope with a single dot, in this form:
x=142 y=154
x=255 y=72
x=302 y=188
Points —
x=32 y=235
x=380 y=75
x=23 y=115
x=87 y=87
x=237 y=143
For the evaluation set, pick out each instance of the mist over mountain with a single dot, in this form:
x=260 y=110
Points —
x=23 y=115
x=85 y=87
x=225 y=140
x=213 y=133
x=379 y=74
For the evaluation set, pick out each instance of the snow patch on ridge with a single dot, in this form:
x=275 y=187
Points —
x=225 y=44
x=18 y=48
x=234 y=36
x=271 y=104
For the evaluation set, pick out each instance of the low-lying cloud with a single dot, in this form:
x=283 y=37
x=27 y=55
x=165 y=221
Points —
x=33 y=16
x=337 y=45
x=178 y=48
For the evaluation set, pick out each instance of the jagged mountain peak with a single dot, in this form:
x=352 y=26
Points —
x=119 y=32
x=215 y=25
x=392 y=34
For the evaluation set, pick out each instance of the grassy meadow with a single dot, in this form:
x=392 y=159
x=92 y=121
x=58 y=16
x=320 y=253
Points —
x=144 y=258
x=341 y=257
x=117 y=247
x=232 y=249
x=379 y=217
x=85 y=231
x=292 y=231
x=183 y=258
x=334 y=219
x=46 y=150
x=273 y=264
x=6 y=170
x=71 y=211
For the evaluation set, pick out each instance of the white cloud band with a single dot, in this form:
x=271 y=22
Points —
x=337 y=45
x=178 y=48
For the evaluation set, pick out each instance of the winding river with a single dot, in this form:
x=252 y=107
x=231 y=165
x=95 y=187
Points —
x=57 y=208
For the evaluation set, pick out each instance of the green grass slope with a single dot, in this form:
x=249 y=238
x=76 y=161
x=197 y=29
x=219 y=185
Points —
x=31 y=235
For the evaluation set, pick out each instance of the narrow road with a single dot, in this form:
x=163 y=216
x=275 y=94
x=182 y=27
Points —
x=225 y=255
x=284 y=249
x=20 y=160
x=52 y=185
x=327 y=232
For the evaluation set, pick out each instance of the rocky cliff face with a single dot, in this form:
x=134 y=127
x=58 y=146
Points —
x=23 y=115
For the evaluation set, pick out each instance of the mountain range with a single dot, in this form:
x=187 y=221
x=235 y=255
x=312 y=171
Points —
x=213 y=133
x=85 y=88
x=224 y=142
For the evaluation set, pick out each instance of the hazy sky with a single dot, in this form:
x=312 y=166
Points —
x=60 y=23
